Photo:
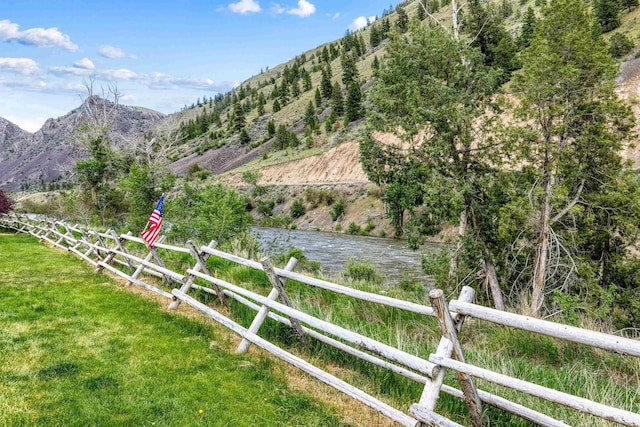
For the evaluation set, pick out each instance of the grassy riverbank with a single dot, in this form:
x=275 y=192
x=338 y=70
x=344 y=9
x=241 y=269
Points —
x=77 y=350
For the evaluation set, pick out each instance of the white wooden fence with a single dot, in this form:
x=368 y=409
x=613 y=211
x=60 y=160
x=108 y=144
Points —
x=106 y=250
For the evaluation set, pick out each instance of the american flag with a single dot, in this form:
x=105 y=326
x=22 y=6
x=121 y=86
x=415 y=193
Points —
x=154 y=225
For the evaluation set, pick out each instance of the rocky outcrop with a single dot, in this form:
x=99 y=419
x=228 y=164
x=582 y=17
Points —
x=51 y=152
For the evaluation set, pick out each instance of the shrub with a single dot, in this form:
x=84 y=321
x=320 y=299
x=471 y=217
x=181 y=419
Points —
x=362 y=270
x=265 y=207
x=621 y=45
x=316 y=196
x=297 y=209
x=337 y=210
x=354 y=228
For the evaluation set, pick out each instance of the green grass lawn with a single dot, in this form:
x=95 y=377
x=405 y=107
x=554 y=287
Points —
x=78 y=350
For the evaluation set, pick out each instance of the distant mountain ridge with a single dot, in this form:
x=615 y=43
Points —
x=50 y=153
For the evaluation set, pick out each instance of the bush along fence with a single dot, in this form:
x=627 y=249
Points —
x=106 y=250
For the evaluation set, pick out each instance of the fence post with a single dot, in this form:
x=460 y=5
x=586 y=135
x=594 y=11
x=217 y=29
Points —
x=282 y=295
x=120 y=243
x=104 y=251
x=448 y=328
x=85 y=238
x=264 y=310
x=431 y=390
x=201 y=259
x=191 y=278
x=140 y=267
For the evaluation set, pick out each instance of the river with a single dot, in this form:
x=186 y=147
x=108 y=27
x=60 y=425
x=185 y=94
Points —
x=392 y=257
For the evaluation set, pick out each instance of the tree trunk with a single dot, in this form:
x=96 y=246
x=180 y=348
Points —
x=541 y=252
x=454 y=16
x=462 y=231
x=494 y=285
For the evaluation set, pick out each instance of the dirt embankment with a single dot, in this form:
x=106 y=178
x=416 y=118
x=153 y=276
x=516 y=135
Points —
x=338 y=165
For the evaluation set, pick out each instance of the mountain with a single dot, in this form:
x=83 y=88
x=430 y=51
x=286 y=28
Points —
x=50 y=153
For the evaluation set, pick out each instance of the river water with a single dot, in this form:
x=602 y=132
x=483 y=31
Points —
x=392 y=257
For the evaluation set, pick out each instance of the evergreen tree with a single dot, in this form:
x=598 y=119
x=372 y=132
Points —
x=239 y=120
x=245 y=138
x=421 y=14
x=608 y=14
x=310 y=117
x=271 y=128
x=350 y=72
x=276 y=106
x=445 y=104
x=282 y=137
x=375 y=66
x=318 y=98
x=325 y=55
x=528 y=24
x=402 y=23
x=325 y=83
x=306 y=77
x=262 y=101
x=374 y=36
x=490 y=35
x=575 y=127
x=284 y=93
x=337 y=100
x=354 y=109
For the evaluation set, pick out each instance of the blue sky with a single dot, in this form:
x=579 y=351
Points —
x=161 y=54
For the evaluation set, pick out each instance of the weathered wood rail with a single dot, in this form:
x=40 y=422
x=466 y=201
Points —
x=107 y=250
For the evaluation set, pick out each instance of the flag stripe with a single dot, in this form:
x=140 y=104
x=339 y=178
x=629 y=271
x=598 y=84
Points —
x=155 y=220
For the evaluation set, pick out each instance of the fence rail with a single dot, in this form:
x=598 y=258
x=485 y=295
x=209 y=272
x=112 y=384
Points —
x=107 y=250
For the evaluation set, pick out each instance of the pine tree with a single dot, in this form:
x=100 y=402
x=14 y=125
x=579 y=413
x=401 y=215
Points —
x=306 y=77
x=608 y=14
x=325 y=83
x=374 y=36
x=375 y=66
x=402 y=23
x=421 y=14
x=354 y=109
x=284 y=93
x=276 y=106
x=271 y=128
x=310 y=117
x=337 y=100
x=238 y=117
x=350 y=72
x=318 y=98
x=261 y=103
x=528 y=24
x=245 y=138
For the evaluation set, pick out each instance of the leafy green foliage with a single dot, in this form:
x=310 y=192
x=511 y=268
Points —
x=297 y=208
x=207 y=213
x=620 y=45
x=337 y=210
x=362 y=270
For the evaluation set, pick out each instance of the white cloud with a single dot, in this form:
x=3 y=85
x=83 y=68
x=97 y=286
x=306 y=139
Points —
x=84 y=63
x=40 y=37
x=303 y=10
x=154 y=80
x=276 y=9
x=112 y=52
x=25 y=66
x=335 y=16
x=245 y=6
x=361 y=22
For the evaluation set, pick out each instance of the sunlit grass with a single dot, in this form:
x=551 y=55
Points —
x=77 y=350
